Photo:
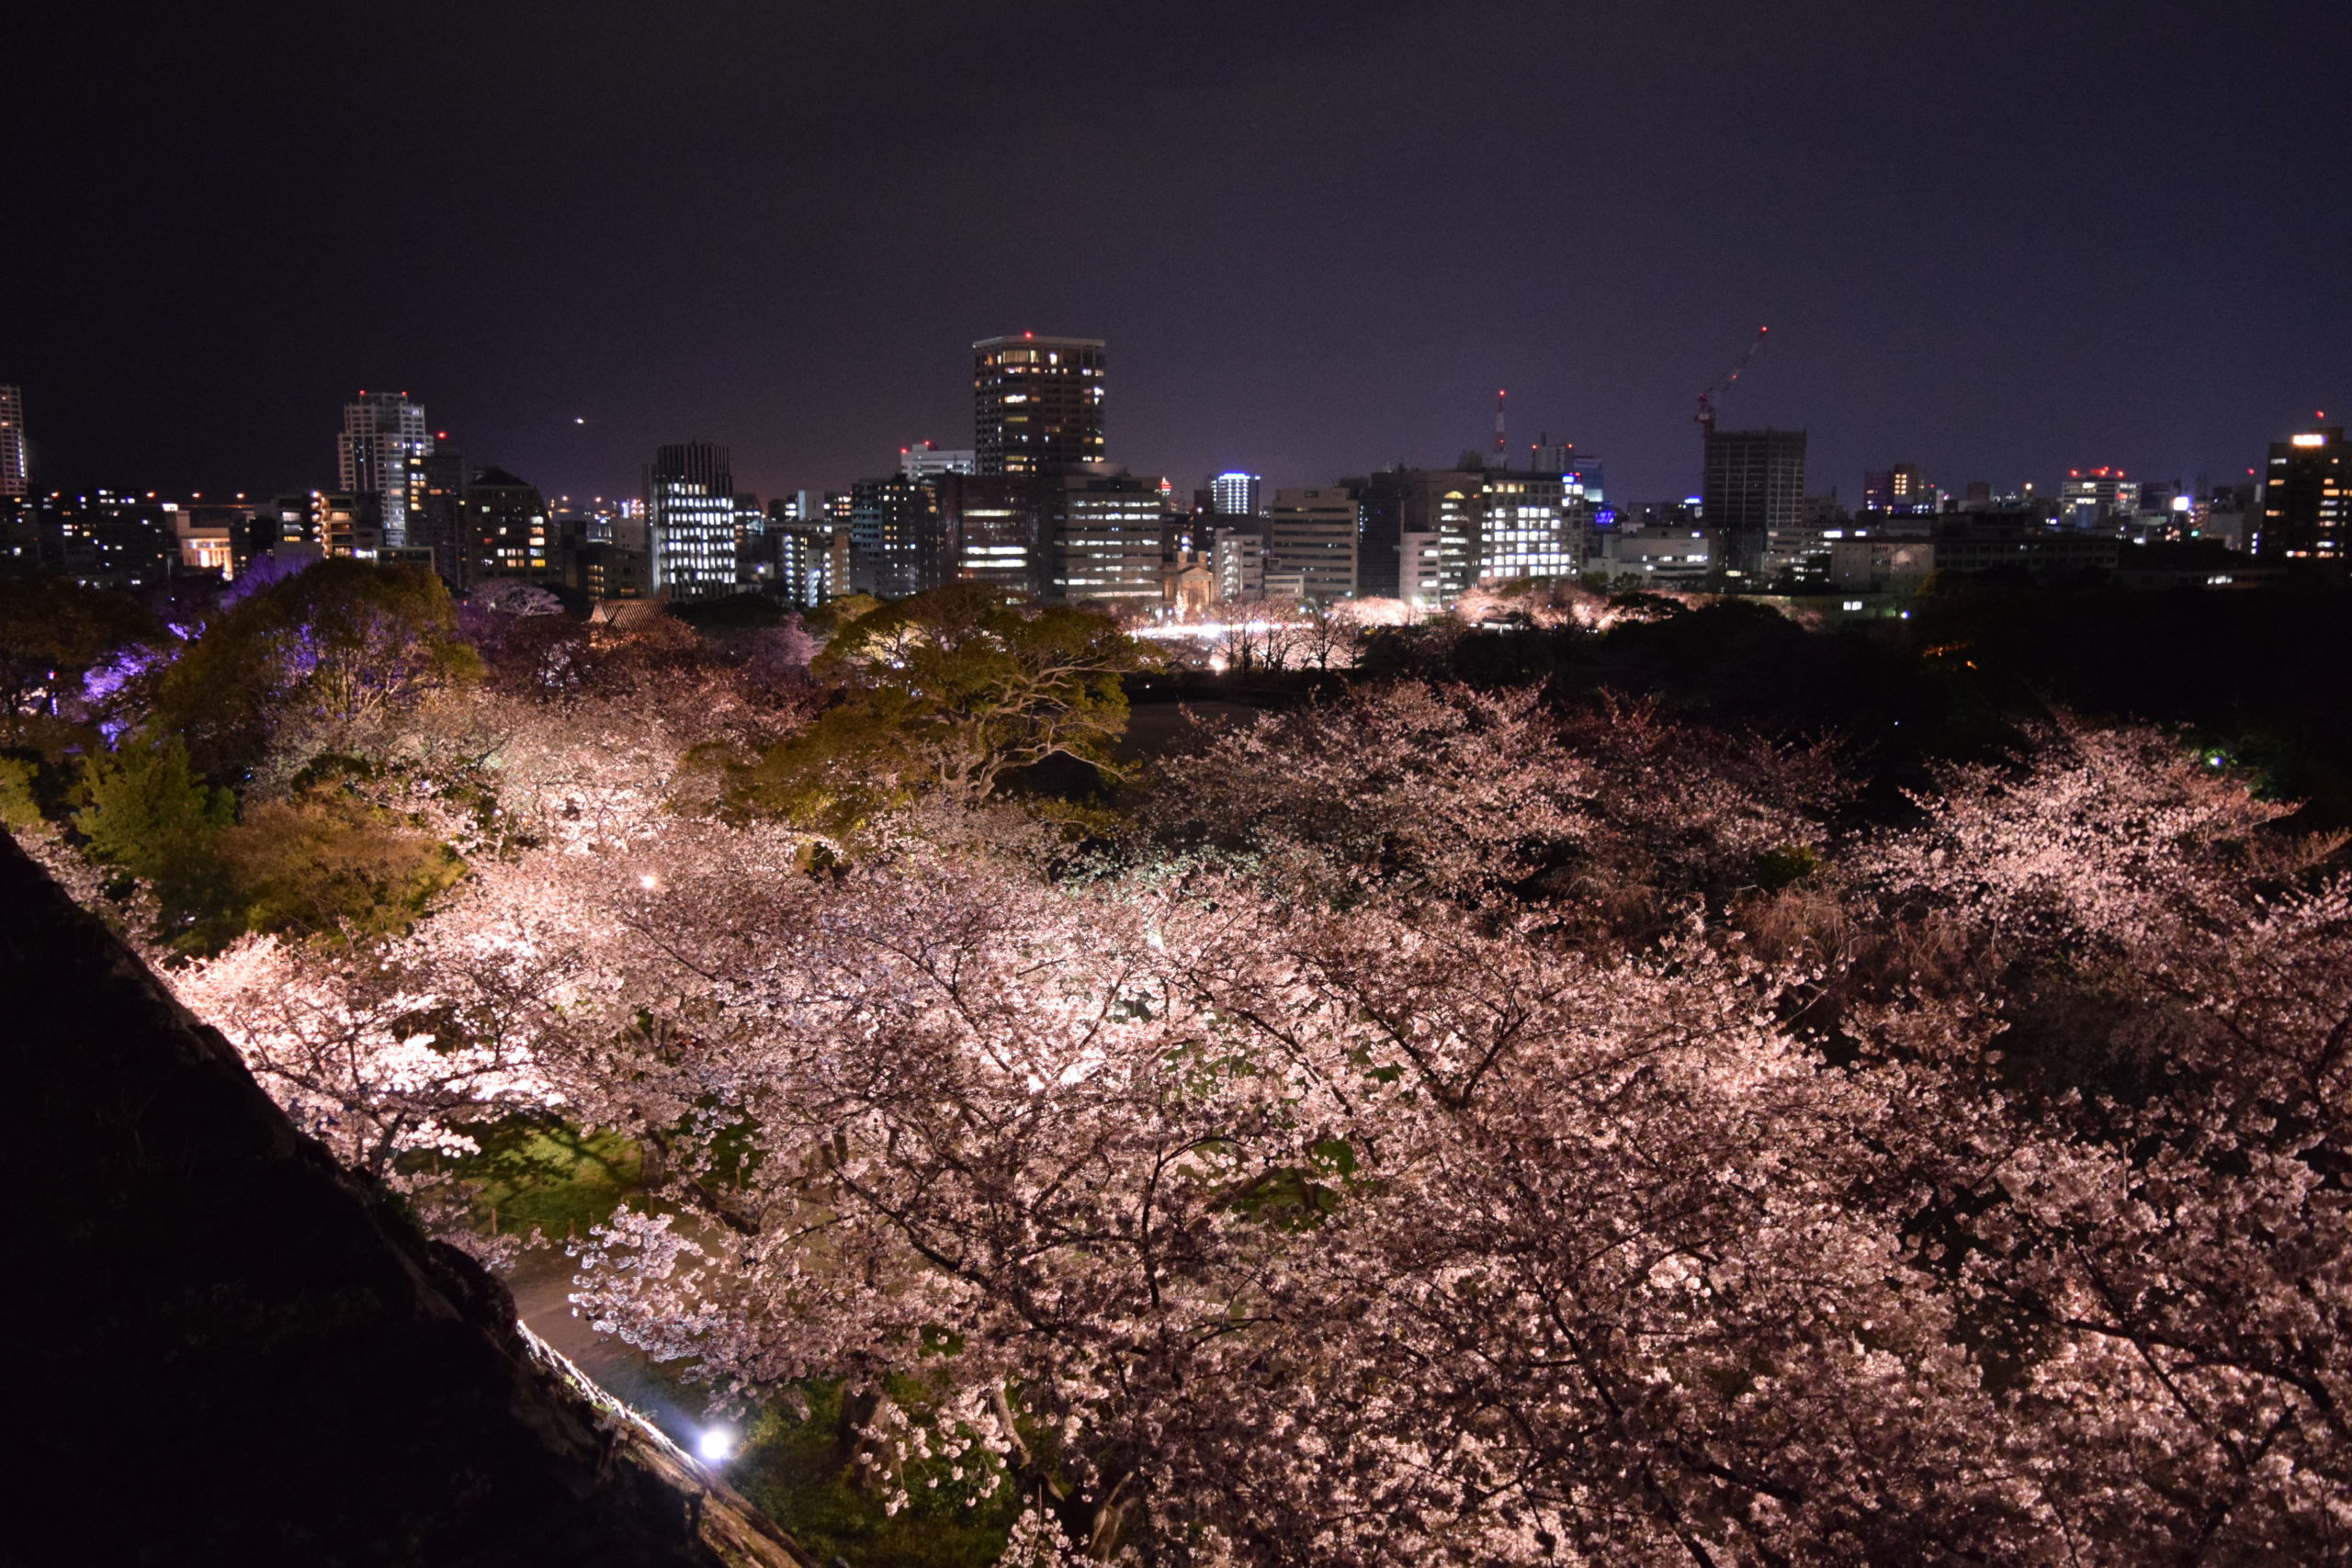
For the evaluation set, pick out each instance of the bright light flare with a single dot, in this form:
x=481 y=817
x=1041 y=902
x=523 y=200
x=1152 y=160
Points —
x=716 y=1446
x=649 y=882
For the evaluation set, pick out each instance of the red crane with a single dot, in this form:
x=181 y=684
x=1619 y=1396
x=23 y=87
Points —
x=1706 y=414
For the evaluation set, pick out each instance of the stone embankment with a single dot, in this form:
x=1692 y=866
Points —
x=223 y=1348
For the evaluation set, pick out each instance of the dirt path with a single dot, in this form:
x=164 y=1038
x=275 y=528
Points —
x=542 y=1284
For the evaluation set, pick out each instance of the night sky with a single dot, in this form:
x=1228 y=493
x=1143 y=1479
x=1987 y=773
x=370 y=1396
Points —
x=1997 y=239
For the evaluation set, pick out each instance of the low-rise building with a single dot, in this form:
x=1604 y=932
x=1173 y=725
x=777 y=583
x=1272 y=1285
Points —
x=1655 y=558
x=1879 y=563
x=1187 y=584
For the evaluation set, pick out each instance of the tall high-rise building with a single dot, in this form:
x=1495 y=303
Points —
x=2306 y=513
x=1312 y=534
x=382 y=453
x=434 y=522
x=13 y=477
x=1754 y=489
x=1037 y=403
x=1235 y=494
x=690 y=520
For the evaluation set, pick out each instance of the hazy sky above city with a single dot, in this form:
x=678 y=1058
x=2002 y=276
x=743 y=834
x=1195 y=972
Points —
x=2000 y=237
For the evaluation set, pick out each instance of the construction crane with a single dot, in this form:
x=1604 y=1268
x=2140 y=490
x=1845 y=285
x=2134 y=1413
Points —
x=1706 y=414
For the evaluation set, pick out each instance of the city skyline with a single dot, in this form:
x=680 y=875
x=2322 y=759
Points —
x=2001 y=244
x=1857 y=489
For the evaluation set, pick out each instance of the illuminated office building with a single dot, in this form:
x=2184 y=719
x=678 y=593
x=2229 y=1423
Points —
x=1105 y=538
x=1235 y=494
x=208 y=537
x=1238 y=558
x=895 y=544
x=103 y=540
x=438 y=509
x=1037 y=403
x=1311 y=534
x=1529 y=526
x=690 y=521
x=347 y=522
x=1586 y=474
x=1420 y=575
x=797 y=551
x=2306 y=513
x=14 y=475
x=1395 y=502
x=2098 y=499
x=381 y=453
x=994 y=525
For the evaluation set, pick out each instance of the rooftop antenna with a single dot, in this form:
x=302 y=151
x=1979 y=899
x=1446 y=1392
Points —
x=1706 y=414
x=1498 y=423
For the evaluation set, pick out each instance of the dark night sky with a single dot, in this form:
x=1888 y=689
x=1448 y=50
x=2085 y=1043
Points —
x=1998 y=238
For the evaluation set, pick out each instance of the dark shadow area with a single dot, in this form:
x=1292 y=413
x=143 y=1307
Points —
x=223 y=1348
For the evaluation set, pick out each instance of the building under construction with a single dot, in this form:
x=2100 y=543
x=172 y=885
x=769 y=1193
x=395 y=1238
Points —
x=1753 y=487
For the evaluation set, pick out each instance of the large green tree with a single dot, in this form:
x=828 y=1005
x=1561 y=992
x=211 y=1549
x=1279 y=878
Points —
x=149 y=815
x=327 y=862
x=946 y=693
x=323 y=661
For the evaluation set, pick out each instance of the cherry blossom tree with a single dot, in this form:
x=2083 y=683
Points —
x=2112 y=1010
x=1315 y=1184
x=1609 y=807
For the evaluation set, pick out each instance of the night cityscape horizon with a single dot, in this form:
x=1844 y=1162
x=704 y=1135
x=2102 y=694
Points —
x=1270 y=784
x=1039 y=507
x=1437 y=449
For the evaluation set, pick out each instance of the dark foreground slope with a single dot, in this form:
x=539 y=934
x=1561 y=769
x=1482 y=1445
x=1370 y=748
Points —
x=215 y=1345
